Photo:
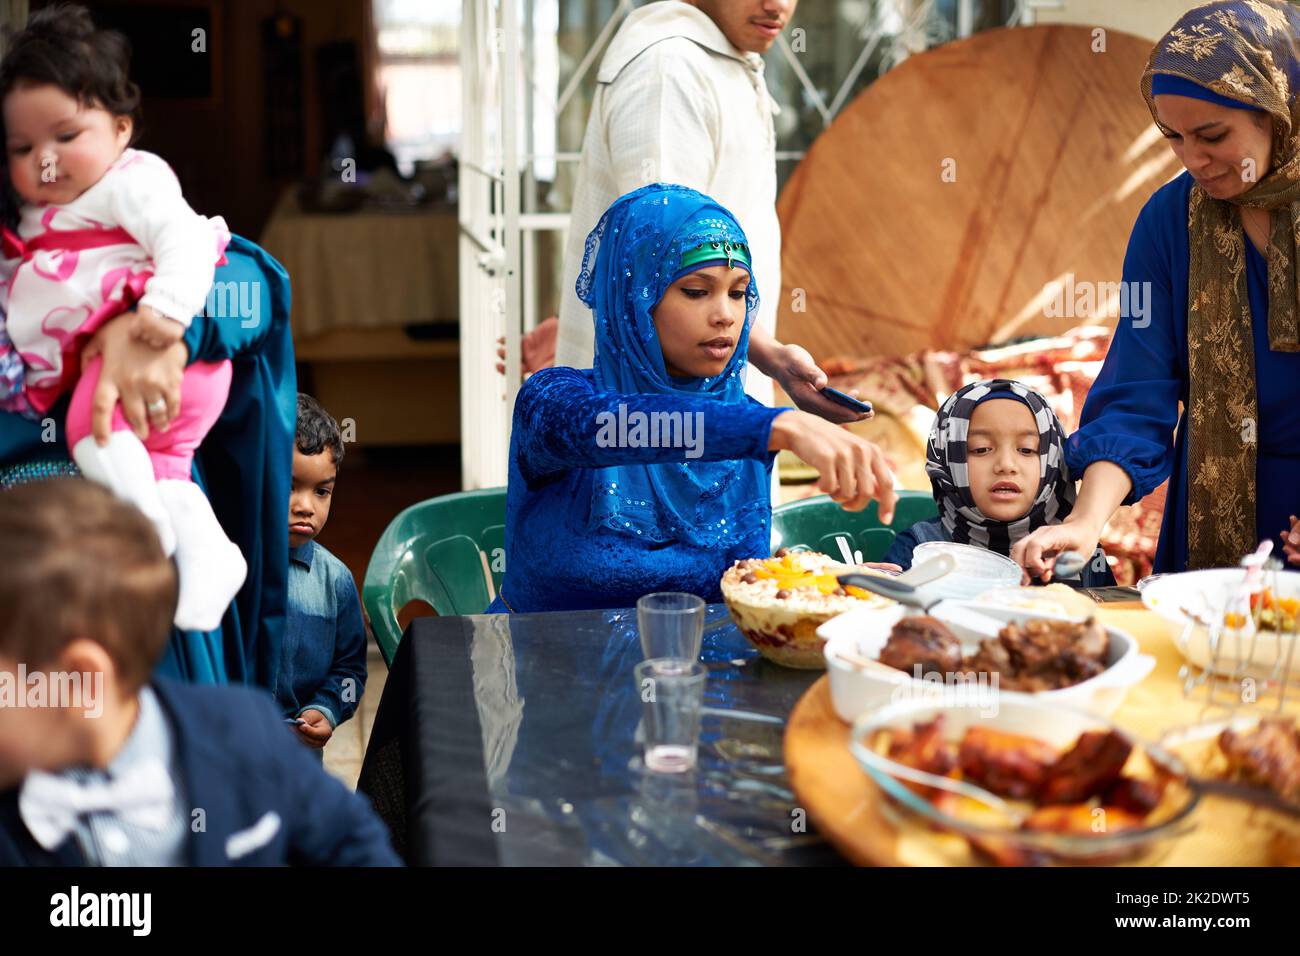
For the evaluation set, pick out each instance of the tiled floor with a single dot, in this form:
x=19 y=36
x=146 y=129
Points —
x=346 y=748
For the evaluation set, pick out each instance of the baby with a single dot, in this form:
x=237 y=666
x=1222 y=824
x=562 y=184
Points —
x=103 y=229
x=996 y=461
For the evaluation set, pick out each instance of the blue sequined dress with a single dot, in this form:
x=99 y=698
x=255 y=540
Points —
x=554 y=561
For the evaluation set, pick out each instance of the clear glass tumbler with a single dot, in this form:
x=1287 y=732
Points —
x=672 y=697
x=671 y=624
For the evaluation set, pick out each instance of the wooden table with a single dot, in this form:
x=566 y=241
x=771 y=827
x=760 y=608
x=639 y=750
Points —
x=846 y=806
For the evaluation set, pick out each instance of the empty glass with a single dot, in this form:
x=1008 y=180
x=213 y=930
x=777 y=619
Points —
x=671 y=624
x=672 y=696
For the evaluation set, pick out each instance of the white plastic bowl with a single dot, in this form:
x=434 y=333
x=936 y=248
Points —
x=862 y=633
x=977 y=570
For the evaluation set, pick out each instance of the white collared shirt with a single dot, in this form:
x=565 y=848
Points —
x=676 y=102
x=107 y=840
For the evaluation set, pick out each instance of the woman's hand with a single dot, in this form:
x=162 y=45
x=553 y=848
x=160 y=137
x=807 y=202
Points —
x=1291 y=542
x=853 y=470
x=1037 y=552
x=146 y=381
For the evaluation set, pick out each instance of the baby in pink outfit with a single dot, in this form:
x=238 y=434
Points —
x=103 y=229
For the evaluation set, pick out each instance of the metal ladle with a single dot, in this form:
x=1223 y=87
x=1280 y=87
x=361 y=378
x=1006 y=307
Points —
x=905 y=588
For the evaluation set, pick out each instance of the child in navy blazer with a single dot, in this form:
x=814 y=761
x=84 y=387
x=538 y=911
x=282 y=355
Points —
x=102 y=765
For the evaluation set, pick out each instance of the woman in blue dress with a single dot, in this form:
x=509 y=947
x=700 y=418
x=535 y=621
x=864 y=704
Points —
x=1214 y=257
x=651 y=470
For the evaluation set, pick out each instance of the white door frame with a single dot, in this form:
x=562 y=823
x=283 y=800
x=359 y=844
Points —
x=488 y=200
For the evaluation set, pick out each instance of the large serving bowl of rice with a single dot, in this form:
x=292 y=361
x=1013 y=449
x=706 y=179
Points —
x=778 y=603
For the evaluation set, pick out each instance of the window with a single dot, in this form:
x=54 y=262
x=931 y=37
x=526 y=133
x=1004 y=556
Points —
x=419 y=77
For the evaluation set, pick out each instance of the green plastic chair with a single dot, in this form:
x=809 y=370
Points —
x=442 y=551
x=819 y=524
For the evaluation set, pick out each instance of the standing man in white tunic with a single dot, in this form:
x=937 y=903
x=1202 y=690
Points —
x=680 y=98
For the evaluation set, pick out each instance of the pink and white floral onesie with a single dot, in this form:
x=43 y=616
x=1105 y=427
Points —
x=130 y=238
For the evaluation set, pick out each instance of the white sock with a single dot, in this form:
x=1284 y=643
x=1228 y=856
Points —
x=212 y=569
x=124 y=468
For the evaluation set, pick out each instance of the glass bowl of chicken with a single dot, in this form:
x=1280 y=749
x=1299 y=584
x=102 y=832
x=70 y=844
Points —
x=1012 y=780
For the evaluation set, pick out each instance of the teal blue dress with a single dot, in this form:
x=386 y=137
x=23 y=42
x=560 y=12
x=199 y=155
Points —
x=245 y=464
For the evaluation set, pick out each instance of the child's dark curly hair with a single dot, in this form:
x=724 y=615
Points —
x=317 y=430
x=61 y=46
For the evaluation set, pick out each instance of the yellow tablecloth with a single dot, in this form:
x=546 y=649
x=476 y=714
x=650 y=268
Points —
x=1227 y=833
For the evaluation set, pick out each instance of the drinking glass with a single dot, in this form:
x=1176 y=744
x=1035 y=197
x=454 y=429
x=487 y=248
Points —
x=671 y=624
x=672 y=697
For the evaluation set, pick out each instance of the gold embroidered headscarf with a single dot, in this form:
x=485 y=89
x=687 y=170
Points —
x=1249 y=52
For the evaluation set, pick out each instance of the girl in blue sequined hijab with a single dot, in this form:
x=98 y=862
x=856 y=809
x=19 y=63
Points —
x=650 y=470
x=646 y=241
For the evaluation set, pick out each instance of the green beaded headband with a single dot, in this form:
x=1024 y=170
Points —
x=712 y=251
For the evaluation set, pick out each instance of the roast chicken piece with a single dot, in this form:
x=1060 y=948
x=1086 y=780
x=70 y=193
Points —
x=1135 y=796
x=923 y=748
x=1010 y=765
x=1035 y=655
x=1268 y=755
x=1040 y=645
x=1040 y=654
x=922 y=640
x=1087 y=769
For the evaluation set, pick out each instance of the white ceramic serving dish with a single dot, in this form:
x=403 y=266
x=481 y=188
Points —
x=1179 y=598
x=857 y=689
x=977 y=570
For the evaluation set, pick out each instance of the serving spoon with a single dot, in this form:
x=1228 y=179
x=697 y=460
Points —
x=905 y=588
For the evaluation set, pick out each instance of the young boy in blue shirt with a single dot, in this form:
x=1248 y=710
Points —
x=104 y=764
x=323 y=657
